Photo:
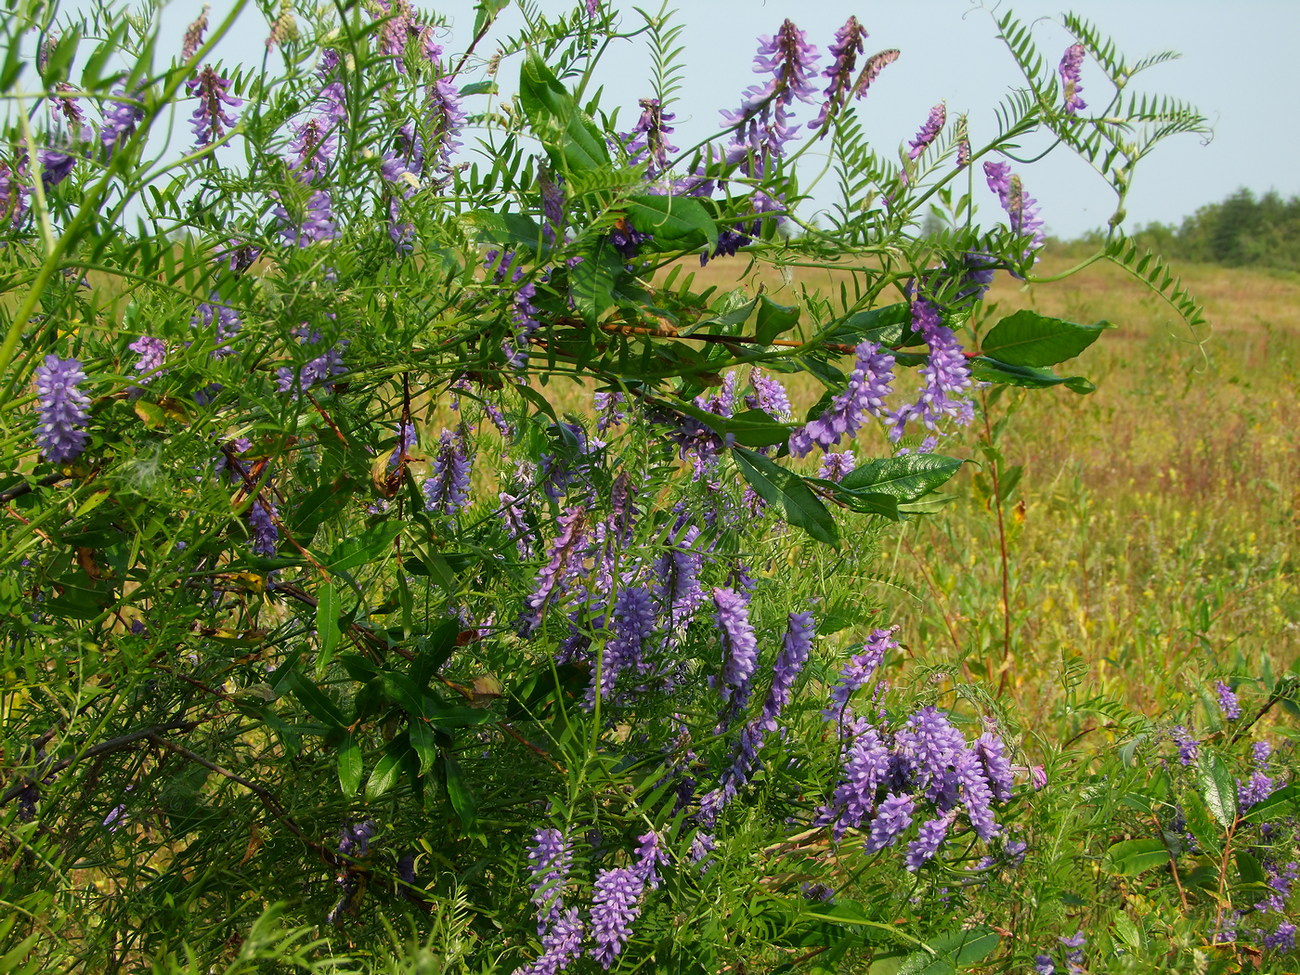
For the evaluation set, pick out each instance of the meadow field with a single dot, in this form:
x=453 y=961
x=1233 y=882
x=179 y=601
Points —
x=1150 y=538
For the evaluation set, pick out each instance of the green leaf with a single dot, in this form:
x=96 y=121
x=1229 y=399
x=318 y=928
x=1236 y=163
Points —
x=374 y=544
x=424 y=743
x=311 y=697
x=1218 y=788
x=774 y=319
x=479 y=87
x=591 y=282
x=906 y=478
x=571 y=139
x=946 y=954
x=1030 y=339
x=993 y=371
x=327 y=625
x=325 y=501
x=1132 y=857
x=884 y=326
x=776 y=485
x=679 y=220
x=485 y=11
x=458 y=791
x=396 y=753
x=350 y=765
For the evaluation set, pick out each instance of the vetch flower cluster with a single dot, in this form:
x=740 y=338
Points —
x=61 y=409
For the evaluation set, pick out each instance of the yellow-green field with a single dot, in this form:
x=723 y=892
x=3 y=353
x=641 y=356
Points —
x=1153 y=532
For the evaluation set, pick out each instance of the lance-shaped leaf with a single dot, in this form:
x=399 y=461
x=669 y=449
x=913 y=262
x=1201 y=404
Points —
x=776 y=485
x=570 y=137
x=995 y=371
x=906 y=478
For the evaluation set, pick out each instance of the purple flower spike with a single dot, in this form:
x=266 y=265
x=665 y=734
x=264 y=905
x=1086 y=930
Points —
x=261 y=523
x=152 y=352
x=61 y=409
x=946 y=374
x=928 y=840
x=861 y=666
x=564 y=549
x=210 y=120
x=892 y=819
x=865 y=394
x=648 y=141
x=1069 y=69
x=121 y=116
x=626 y=238
x=929 y=131
x=447 y=489
x=1021 y=208
x=740 y=646
x=845 y=50
x=550 y=857
x=1227 y=701
x=615 y=904
x=1187 y=745
x=561 y=944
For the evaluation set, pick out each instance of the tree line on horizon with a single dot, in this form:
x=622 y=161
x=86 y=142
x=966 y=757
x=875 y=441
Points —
x=1244 y=229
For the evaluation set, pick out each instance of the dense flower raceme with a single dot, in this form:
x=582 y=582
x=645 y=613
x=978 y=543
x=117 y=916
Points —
x=946 y=374
x=122 y=113
x=864 y=395
x=925 y=768
x=61 y=409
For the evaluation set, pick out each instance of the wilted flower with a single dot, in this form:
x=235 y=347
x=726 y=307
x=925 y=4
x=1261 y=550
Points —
x=929 y=131
x=1069 y=69
x=844 y=50
x=875 y=64
x=61 y=409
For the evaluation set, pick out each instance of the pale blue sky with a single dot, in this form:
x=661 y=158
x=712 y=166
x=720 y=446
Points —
x=1238 y=67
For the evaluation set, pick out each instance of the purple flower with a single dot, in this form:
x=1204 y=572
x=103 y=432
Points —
x=152 y=352
x=648 y=141
x=1227 y=701
x=626 y=238
x=407 y=437
x=739 y=646
x=865 y=394
x=996 y=765
x=1043 y=965
x=261 y=523
x=55 y=167
x=227 y=319
x=354 y=840
x=762 y=124
x=593 y=7
x=650 y=856
x=633 y=623
x=561 y=944
x=554 y=205
x=835 y=466
x=194 y=35
x=769 y=395
x=795 y=648
x=564 y=550
x=446 y=119
x=946 y=374
x=861 y=666
x=1020 y=207
x=963 y=143
x=210 y=120
x=61 y=409
x=844 y=50
x=312 y=223
x=928 y=840
x=1187 y=745
x=1069 y=69
x=866 y=766
x=121 y=116
x=321 y=369
x=447 y=488
x=678 y=573
x=976 y=794
x=615 y=904
x=893 y=817
x=929 y=131
x=929 y=748
x=550 y=857
x=1282 y=938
